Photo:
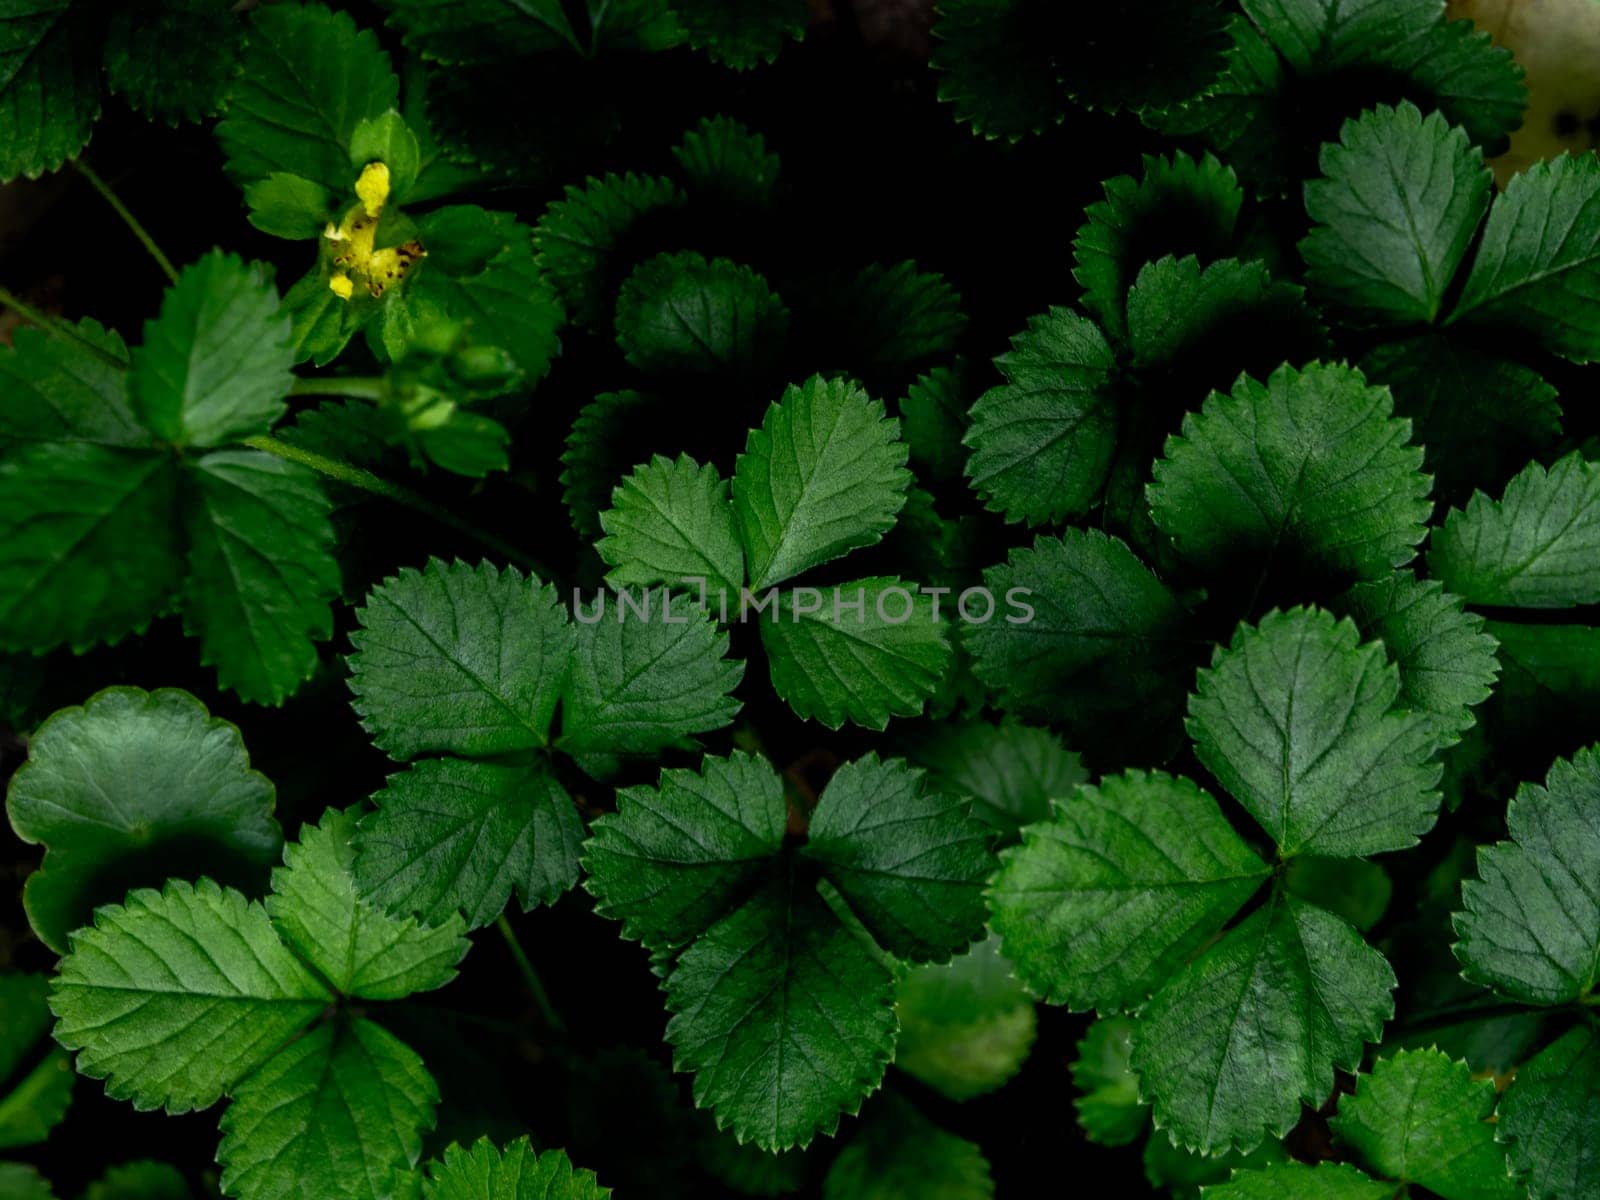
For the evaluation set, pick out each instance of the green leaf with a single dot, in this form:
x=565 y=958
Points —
x=359 y=949
x=741 y=33
x=680 y=314
x=994 y=69
x=215 y=365
x=889 y=316
x=1309 y=467
x=898 y=1154
x=724 y=160
x=173 y=59
x=671 y=522
x=933 y=421
x=638 y=25
x=1296 y=719
x=1535 y=547
x=865 y=651
x=608 y=437
x=1397 y=206
x=1109 y=1112
x=966 y=1026
x=1531 y=921
x=340 y=1112
x=1549 y=1117
x=287 y=206
x=35 y=1076
x=480 y=1172
x=642 y=683
x=49 y=84
x=128 y=789
x=309 y=77
x=1243 y=1035
x=1042 y=442
x=140 y=1181
x=1102 y=903
x=1326 y=33
x=1177 y=207
x=321 y=324
x=459 y=660
x=1098 y=630
x=784 y=1016
x=57 y=391
x=18 y=1182
x=824 y=475
x=1537 y=269
x=451 y=835
x=1144 y=55
x=89 y=550
x=1352 y=888
x=1011 y=771
x=1447 y=663
x=262 y=574
x=910 y=862
x=675 y=857
x=481 y=31
x=1422 y=1119
x=387 y=139
x=176 y=996
x=1325 y=1181
x=1478 y=417
x=579 y=237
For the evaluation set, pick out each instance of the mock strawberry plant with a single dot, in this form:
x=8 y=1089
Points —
x=753 y=598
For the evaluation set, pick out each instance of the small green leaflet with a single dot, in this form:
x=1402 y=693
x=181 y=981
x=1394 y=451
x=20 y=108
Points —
x=1309 y=467
x=1549 y=1117
x=1012 y=771
x=49 y=85
x=481 y=31
x=898 y=1153
x=1325 y=1181
x=681 y=314
x=1109 y=1112
x=782 y=1003
x=1535 y=547
x=672 y=522
x=172 y=60
x=130 y=788
x=723 y=159
x=741 y=33
x=481 y=1172
x=993 y=71
x=933 y=421
x=21 y=1182
x=35 y=1076
x=309 y=78
x=1396 y=209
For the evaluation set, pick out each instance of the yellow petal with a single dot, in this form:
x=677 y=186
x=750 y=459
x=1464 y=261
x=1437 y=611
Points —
x=373 y=187
x=341 y=286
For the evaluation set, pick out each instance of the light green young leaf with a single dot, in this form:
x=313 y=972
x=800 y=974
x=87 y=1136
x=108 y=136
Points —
x=58 y=391
x=680 y=314
x=579 y=234
x=1537 y=269
x=215 y=365
x=481 y=1172
x=1535 y=547
x=1254 y=1027
x=641 y=684
x=1399 y=201
x=910 y=862
x=262 y=575
x=130 y=788
x=35 y=1076
x=454 y=836
x=459 y=660
x=865 y=651
x=898 y=1154
x=1103 y=902
x=340 y=1112
x=741 y=33
x=1530 y=925
x=1309 y=467
x=671 y=522
x=1042 y=442
x=309 y=77
x=287 y=206
x=89 y=550
x=49 y=85
x=1549 y=1117
x=176 y=996
x=1296 y=719
x=966 y=1026
x=674 y=858
x=359 y=949
x=1421 y=1118
x=784 y=1016
x=824 y=475
x=1011 y=771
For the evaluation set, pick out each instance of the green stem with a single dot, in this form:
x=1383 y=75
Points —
x=59 y=328
x=128 y=219
x=366 y=481
x=541 y=998
x=371 y=388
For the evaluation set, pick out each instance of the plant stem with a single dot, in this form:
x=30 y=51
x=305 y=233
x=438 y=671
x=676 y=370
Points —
x=128 y=219
x=366 y=481
x=541 y=998
x=58 y=328
x=369 y=388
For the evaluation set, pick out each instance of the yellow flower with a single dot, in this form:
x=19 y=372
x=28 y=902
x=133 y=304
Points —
x=353 y=241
